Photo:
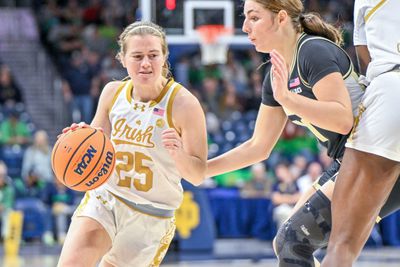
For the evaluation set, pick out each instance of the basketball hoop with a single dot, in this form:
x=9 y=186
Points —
x=212 y=50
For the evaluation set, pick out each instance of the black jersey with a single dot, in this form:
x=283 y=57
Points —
x=315 y=58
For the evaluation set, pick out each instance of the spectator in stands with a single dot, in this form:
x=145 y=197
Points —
x=324 y=159
x=37 y=157
x=13 y=131
x=6 y=197
x=299 y=166
x=314 y=171
x=78 y=88
x=293 y=141
x=252 y=100
x=9 y=92
x=60 y=200
x=211 y=94
x=234 y=72
x=229 y=101
x=30 y=187
x=285 y=194
x=259 y=185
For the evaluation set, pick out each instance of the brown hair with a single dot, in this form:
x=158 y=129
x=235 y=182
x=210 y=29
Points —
x=310 y=23
x=145 y=28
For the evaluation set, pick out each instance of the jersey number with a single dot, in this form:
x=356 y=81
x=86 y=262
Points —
x=134 y=162
x=311 y=128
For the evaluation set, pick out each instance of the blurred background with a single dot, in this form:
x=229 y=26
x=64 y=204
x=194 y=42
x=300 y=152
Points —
x=55 y=58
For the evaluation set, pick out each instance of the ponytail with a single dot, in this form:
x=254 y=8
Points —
x=312 y=23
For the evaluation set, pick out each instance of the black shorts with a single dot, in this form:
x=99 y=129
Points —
x=329 y=174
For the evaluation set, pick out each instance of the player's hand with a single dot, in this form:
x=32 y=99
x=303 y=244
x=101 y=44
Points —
x=280 y=78
x=75 y=126
x=172 y=141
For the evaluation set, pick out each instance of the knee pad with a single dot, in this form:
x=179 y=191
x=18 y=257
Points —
x=305 y=232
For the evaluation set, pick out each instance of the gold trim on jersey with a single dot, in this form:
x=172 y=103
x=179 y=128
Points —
x=83 y=204
x=129 y=92
x=169 y=106
x=361 y=110
x=163 y=92
x=374 y=9
x=116 y=95
x=347 y=74
x=312 y=129
x=295 y=56
x=163 y=246
x=159 y=97
x=316 y=185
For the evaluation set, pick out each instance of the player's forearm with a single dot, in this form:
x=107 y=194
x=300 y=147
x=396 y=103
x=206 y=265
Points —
x=242 y=156
x=329 y=115
x=191 y=168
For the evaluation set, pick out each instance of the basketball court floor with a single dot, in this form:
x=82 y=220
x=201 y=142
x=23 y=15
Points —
x=227 y=253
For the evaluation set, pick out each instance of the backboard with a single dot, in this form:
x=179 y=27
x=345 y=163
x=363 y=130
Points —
x=180 y=18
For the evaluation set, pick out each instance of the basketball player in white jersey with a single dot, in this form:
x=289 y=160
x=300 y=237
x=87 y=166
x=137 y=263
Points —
x=158 y=131
x=371 y=161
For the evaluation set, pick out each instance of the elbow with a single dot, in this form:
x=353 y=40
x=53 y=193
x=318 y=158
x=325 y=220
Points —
x=197 y=180
x=199 y=176
x=345 y=126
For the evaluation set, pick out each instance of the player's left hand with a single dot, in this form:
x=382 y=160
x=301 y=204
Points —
x=280 y=78
x=172 y=141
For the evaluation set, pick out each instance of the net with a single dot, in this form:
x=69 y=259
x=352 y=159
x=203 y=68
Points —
x=213 y=51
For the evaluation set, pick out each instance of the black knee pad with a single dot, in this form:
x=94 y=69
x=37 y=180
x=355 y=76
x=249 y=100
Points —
x=305 y=232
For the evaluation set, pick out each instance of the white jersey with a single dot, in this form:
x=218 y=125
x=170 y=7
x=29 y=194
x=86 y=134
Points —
x=144 y=171
x=376 y=25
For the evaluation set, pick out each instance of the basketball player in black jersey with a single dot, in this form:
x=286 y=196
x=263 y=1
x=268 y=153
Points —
x=310 y=80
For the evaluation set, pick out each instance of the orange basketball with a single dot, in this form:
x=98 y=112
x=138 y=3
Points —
x=83 y=159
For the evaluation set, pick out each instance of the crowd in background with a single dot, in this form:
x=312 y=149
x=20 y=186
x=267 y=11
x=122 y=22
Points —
x=81 y=38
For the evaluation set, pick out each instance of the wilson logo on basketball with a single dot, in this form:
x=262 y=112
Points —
x=104 y=169
x=86 y=159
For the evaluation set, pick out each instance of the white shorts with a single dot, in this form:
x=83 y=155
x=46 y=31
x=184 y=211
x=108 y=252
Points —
x=138 y=239
x=377 y=127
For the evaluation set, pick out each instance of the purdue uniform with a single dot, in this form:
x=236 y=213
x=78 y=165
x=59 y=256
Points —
x=308 y=68
x=144 y=174
x=309 y=228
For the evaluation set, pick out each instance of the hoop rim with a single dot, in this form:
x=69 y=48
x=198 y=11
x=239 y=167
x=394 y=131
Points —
x=209 y=33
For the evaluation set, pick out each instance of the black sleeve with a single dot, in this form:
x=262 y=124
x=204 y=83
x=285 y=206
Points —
x=318 y=58
x=267 y=94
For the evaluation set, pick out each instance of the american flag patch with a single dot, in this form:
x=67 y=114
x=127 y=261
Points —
x=158 y=111
x=294 y=82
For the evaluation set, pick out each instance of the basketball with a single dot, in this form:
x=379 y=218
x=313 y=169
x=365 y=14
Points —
x=83 y=159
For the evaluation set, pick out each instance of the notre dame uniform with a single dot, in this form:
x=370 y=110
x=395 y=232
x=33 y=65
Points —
x=131 y=205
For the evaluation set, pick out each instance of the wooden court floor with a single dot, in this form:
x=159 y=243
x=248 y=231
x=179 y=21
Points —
x=226 y=254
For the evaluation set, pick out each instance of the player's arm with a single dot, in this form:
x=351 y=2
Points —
x=101 y=119
x=187 y=144
x=332 y=109
x=360 y=37
x=363 y=58
x=269 y=126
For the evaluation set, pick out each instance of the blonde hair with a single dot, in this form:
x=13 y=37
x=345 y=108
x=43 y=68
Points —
x=310 y=23
x=144 y=28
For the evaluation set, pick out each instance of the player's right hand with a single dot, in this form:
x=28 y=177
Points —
x=75 y=126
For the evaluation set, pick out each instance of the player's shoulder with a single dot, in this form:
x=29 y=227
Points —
x=312 y=44
x=185 y=100
x=316 y=48
x=111 y=88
